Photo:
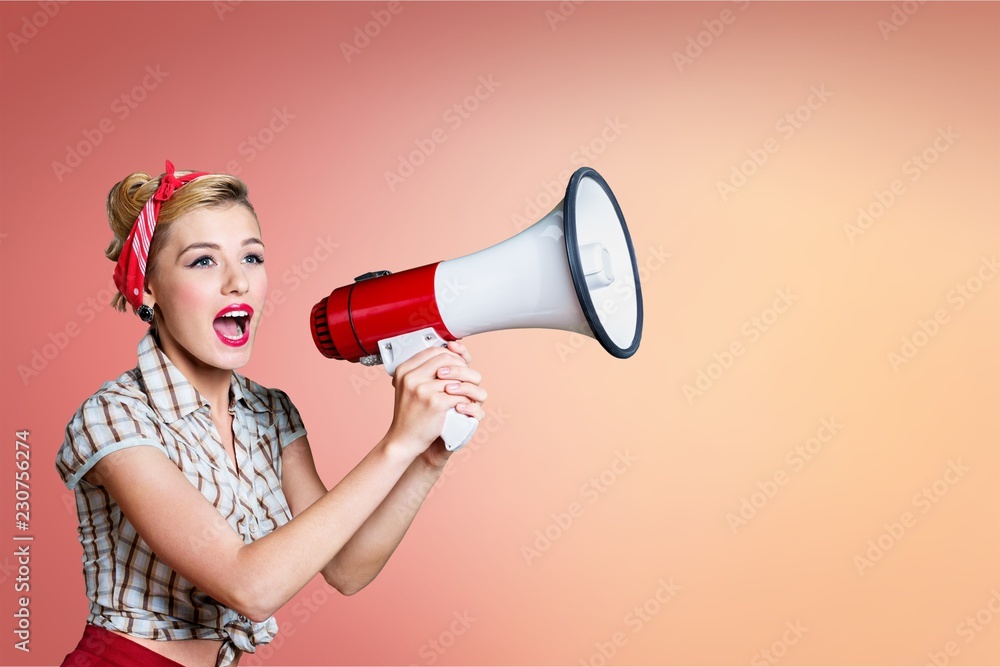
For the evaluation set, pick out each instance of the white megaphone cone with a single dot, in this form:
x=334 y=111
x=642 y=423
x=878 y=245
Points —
x=574 y=270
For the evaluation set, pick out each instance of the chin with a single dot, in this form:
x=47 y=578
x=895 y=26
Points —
x=218 y=354
x=232 y=362
x=236 y=358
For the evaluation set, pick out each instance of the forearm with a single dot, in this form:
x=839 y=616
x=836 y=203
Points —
x=277 y=566
x=366 y=553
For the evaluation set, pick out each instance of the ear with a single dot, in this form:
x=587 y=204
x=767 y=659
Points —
x=148 y=298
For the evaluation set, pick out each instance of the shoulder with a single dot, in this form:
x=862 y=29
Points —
x=116 y=416
x=124 y=398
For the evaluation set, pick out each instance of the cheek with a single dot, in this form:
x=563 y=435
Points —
x=187 y=295
x=259 y=282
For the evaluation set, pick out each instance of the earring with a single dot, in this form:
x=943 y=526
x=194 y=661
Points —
x=145 y=313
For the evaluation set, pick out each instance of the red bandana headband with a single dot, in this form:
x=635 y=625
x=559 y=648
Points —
x=130 y=272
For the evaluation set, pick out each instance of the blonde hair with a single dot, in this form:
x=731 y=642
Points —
x=128 y=196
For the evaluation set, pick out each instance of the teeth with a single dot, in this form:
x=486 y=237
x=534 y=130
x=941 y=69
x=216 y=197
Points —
x=237 y=313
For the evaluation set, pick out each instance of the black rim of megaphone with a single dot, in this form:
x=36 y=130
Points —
x=576 y=265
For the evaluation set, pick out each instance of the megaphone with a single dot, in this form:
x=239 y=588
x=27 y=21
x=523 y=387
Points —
x=573 y=270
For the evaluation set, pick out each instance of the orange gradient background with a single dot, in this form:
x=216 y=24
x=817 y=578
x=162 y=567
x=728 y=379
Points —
x=809 y=112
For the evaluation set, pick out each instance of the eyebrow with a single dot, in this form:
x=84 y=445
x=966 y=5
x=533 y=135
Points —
x=215 y=246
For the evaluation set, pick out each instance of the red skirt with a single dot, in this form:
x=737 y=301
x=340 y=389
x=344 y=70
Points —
x=102 y=648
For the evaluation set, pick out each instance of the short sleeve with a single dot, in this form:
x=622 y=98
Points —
x=104 y=424
x=288 y=422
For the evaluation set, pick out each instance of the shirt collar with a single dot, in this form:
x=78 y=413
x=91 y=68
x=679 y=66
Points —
x=242 y=390
x=172 y=395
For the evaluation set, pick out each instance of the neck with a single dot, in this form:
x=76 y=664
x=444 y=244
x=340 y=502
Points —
x=211 y=382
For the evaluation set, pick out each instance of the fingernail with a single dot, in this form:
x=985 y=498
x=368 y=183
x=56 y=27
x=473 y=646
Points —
x=444 y=371
x=452 y=387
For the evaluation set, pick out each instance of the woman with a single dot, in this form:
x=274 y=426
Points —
x=201 y=511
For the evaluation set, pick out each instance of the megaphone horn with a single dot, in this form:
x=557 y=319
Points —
x=575 y=270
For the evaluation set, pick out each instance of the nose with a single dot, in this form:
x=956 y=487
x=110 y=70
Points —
x=236 y=281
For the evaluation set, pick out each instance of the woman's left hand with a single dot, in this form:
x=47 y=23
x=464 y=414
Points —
x=467 y=381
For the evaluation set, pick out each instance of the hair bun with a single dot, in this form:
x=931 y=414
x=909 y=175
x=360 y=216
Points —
x=125 y=201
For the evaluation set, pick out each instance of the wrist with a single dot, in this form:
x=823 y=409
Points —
x=399 y=449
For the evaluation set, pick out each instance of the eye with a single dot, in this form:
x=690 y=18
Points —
x=204 y=260
x=254 y=258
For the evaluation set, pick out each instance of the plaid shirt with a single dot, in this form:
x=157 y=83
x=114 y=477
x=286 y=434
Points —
x=130 y=589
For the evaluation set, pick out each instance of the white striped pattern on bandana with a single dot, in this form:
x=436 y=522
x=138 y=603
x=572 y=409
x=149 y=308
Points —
x=144 y=234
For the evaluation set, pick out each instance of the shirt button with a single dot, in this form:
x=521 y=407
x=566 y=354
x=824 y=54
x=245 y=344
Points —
x=253 y=529
x=243 y=618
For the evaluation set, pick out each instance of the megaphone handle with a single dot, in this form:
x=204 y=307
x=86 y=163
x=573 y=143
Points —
x=458 y=429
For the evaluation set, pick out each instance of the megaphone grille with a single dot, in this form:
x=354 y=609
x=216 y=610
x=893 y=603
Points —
x=321 y=331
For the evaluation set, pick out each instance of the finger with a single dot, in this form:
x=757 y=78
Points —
x=460 y=374
x=472 y=391
x=460 y=348
x=473 y=410
x=423 y=366
x=457 y=389
x=424 y=357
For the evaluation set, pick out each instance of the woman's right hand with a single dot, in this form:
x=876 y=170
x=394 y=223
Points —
x=426 y=389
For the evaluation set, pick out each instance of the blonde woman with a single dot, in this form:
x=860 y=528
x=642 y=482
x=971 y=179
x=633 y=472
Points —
x=201 y=510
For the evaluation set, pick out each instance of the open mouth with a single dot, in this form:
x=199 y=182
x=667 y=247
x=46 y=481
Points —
x=233 y=325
